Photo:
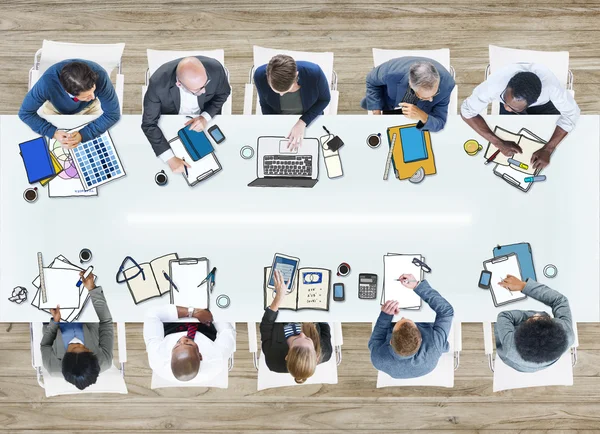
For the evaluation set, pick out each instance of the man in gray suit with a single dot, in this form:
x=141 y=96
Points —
x=193 y=86
x=80 y=350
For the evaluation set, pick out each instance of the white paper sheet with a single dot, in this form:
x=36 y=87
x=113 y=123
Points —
x=500 y=268
x=187 y=278
x=200 y=169
x=394 y=265
x=60 y=187
x=61 y=288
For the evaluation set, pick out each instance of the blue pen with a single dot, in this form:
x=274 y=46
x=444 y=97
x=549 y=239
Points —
x=85 y=276
x=169 y=280
x=535 y=178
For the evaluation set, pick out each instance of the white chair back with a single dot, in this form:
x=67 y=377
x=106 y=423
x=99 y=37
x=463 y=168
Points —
x=106 y=55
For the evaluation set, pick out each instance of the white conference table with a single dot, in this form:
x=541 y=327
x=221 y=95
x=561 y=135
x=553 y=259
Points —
x=454 y=218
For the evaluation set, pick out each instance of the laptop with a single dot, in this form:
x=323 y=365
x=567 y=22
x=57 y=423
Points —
x=277 y=166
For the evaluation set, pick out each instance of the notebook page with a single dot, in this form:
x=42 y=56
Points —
x=394 y=266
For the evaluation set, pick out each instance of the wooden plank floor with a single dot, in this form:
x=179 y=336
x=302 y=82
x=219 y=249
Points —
x=349 y=28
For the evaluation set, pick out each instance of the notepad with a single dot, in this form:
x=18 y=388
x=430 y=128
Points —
x=155 y=284
x=501 y=267
x=311 y=290
x=395 y=265
x=187 y=274
x=37 y=161
x=61 y=289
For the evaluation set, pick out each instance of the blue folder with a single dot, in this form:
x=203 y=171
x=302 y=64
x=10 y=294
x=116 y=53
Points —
x=524 y=256
x=195 y=143
x=36 y=157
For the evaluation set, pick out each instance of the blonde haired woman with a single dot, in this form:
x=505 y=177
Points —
x=292 y=347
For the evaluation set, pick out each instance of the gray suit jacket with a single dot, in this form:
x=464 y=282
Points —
x=163 y=98
x=98 y=337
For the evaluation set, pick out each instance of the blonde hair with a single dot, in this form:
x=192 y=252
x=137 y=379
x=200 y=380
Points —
x=302 y=361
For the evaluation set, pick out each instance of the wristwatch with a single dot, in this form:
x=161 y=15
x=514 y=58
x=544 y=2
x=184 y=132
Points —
x=190 y=312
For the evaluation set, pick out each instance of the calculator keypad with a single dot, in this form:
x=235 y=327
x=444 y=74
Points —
x=367 y=291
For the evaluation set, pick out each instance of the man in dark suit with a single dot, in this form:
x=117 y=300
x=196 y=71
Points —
x=193 y=86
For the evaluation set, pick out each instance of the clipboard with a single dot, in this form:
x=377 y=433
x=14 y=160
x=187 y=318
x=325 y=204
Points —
x=524 y=256
x=500 y=267
x=408 y=160
x=202 y=169
x=186 y=274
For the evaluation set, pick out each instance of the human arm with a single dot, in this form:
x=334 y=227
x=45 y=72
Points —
x=382 y=326
x=34 y=99
x=225 y=338
x=325 y=336
x=105 y=325
x=49 y=359
x=435 y=120
x=376 y=88
x=222 y=92
x=322 y=101
x=111 y=111
x=444 y=313
x=152 y=112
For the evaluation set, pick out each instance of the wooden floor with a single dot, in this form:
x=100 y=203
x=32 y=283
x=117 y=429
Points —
x=350 y=29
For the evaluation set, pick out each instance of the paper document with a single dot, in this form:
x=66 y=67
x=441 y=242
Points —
x=201 y=168
x=61 y=288
x=187 y=277
x=395 y=265
x=501 y=267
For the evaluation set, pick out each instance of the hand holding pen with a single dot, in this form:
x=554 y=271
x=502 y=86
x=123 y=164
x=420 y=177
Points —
x=408 y=280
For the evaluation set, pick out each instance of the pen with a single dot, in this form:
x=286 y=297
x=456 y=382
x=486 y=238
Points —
x=169 y=280
x=494 y=155
x=535 y=178
x=407 y=281
x=185 y=167
x=518 y=163
x=85 y=276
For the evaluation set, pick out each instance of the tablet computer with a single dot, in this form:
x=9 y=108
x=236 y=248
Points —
x=287 y=266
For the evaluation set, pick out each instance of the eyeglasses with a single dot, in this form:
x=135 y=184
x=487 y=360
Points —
x=128 y=278
x=514 y=110
x=195 y=92
x=426 y=99
x=426 y=268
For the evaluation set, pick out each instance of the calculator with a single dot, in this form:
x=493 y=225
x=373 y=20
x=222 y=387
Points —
x=367 y=286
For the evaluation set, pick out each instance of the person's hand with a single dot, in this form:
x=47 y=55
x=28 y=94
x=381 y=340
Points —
x=72 y=140
x=540 y=158
x=413 y=112
x=197 y=124
x=509 y=148
x=296 y=135
x=409 y=281
x=512 y=283
x=376 y=112
x=62 y=136
x=177 y=165
x=203 y=315
x=88 y=282
x=281 y=286
x=390 y=307
x=55 y=314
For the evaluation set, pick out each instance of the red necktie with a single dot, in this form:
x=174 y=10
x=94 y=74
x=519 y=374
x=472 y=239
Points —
x=192 y=328
x=75 y=99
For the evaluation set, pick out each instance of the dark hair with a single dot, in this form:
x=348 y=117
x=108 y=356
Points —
x=540 y=340
x=77 y=77
x=80 y=369
x=527 y=86
x=407 y=339
x=281 y=72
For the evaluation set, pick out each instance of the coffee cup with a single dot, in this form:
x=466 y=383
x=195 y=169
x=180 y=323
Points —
x=30 y=195
x=85 y=255
x=472 y=147
x=343 y=269
x=161 y=178
x=374 y=140
x=247 y=152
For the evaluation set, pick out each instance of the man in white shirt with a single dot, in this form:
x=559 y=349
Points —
x=185 y=351
x=194 y=86
x=523 y=88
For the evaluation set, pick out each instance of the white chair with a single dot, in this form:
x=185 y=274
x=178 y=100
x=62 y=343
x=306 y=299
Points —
x=441 y=56
x=221 y=381
x=110 y=381
x=262 y=56
x=442 y=375
x=556 y=61
x=157 y=58
x=326 y=373
x=109 y=56
x=505 y=377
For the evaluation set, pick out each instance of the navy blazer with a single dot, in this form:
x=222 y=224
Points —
x=388 y=82
x=314 y=91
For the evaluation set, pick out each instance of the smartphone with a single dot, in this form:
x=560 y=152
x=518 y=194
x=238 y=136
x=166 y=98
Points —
x=216 y=134
x=338 y=292
x=287 y=265
x=485 y=279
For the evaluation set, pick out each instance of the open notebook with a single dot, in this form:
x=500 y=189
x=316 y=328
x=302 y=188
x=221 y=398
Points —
x=154 y=284
x=500 y=267
x=311 y=290
x=394 y=265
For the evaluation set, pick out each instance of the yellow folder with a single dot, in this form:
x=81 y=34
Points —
x=57 y=169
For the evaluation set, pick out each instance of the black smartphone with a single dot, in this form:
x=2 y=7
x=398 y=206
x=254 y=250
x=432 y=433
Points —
x=216 y=134
x=485 y=279
x=338 y=292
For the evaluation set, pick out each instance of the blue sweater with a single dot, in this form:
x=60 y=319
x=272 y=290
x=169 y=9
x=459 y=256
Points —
x=314 y=91
x=388 y=82
x=434 y=339
x=48 y=88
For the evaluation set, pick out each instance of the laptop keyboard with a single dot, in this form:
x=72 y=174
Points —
x=286 y=165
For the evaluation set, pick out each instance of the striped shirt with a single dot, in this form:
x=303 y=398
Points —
x=292 y=329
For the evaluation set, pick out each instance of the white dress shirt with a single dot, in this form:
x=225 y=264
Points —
x=214 y=354
x=491 y=89
x=188 y=106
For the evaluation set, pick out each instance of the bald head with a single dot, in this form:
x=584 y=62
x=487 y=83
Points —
x=191 y=73
x=185 y=359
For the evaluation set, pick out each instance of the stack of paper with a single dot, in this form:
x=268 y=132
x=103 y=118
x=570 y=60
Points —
x=60 y=279
x=395 y=265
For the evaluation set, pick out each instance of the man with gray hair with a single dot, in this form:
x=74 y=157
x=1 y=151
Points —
x=416 y=87
x=196 y=86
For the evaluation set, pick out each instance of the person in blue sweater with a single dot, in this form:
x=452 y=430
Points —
x=407 y=349
x=288 y=87
x=416 y=87
x=72 y=87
